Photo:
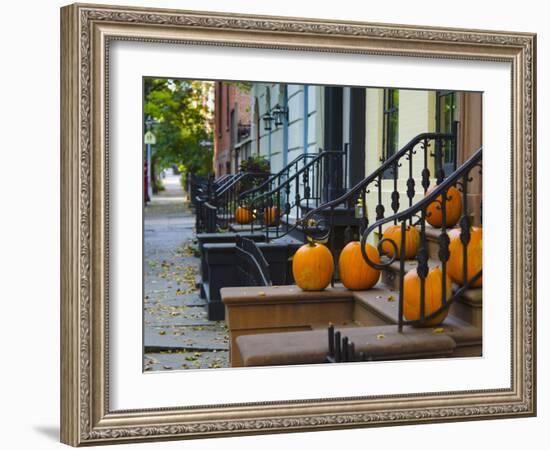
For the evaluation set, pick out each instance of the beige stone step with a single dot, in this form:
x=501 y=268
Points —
x=468 y=307
x=453 y=339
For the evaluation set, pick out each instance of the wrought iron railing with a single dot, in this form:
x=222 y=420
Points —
x=425 y=150
x=225 y=199
x=279 y=210
x=196 y=185
x=252 y=267
x=341 y=349
x=246 y=198
x=205 y=216
x=416 y=216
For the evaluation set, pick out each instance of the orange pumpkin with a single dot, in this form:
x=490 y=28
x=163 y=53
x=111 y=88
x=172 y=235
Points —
x=243 y=215
x=412 y=241
x=271 y=216
x=432 y=298
x=474 y=256
x=312 y=267
x=354 y=271
x=453 y=208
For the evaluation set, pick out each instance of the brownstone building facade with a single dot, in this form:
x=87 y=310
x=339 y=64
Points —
x=231 y=126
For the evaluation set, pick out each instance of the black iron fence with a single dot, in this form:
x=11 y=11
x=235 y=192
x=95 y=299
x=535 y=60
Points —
x=426 y=151
x=252 y=267
x=422 y=283
x=217 y=200
x=247 y=197
x=279 y=209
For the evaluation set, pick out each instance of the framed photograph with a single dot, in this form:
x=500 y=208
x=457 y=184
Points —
x=275 y=224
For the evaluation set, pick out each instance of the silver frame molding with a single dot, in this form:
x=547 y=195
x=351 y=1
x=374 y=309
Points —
x=86 y=31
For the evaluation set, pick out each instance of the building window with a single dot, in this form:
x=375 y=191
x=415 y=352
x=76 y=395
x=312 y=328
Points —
x=446 y=114
x=390 y=127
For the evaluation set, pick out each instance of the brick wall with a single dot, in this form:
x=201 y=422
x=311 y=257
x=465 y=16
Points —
x=229 y=101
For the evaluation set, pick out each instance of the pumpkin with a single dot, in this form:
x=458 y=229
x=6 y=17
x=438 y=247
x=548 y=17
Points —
x=453 y=208
x=474 y=256
x=243 y=215
x=312 y=267
x=412 y=241
x=271 y=216
x=432 y=298
x=355 y=272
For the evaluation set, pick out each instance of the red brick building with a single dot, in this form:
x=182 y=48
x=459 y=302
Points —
x=232 y=113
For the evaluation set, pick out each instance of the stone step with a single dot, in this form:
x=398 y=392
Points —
x=432 y=239
x=379 y=343
x=468 y=307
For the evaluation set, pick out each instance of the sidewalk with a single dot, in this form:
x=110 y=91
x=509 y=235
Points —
x=177 y=333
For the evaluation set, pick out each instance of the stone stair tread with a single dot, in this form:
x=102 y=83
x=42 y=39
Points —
x=311 y=347
x=381 y=300
x=376 y=300
x=472 y=297
x=409 y=264
x=432 y=233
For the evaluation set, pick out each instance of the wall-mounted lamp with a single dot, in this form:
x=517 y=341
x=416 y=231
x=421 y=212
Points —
x=267 y=118
x=279 y=113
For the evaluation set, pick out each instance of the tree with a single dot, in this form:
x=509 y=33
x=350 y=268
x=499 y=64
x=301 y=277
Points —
x=183 y=112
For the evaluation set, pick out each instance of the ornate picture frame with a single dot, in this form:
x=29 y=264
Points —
x=86 y=33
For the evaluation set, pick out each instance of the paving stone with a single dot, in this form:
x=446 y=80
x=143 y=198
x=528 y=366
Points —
x=185 y=361
x=165 y=298
x=174 y=315
x=185 y=316
x=201 y=337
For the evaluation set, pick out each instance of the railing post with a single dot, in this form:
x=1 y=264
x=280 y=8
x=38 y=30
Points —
x=454 y=143
x=444 y=247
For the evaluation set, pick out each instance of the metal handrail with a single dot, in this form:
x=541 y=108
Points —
x=284 y=171
x=299 y=182
x=256 y=269
x=315 y=223
x=459 y=179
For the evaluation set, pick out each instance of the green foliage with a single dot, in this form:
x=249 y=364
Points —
x=255 y=163
x=181 y=110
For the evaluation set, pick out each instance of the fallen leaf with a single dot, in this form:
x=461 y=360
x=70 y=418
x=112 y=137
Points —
x=162 y=332
x=438 y=330
x=380 y=336
x=391 y=298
